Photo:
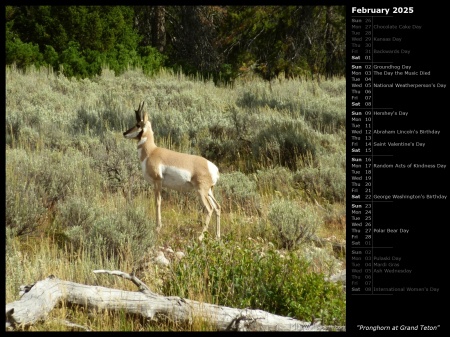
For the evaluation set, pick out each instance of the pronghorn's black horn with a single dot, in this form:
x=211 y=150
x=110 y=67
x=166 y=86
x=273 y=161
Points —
x=139 y=111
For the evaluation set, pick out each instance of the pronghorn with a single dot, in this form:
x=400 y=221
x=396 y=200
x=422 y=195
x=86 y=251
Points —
x=175 y=170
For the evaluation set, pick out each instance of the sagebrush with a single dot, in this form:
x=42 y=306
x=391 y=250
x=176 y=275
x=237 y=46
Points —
x=76 y=199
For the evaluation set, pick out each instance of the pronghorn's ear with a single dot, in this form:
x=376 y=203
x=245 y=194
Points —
x=145 y=117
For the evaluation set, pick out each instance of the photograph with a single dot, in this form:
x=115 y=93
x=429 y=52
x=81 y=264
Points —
x=175 y=168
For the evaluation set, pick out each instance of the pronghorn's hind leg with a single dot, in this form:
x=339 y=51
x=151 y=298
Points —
x=216 y=207
x=209 y=210
x=211 y=205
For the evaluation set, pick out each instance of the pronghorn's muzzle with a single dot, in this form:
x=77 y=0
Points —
x=133 y=133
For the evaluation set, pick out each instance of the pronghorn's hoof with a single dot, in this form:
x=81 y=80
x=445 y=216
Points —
x=202 y=236
x=161 y=259
x=179 y=255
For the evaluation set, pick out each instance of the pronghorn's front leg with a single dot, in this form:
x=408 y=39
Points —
x=158 y=187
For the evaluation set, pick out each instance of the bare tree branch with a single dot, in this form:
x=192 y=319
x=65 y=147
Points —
x=46 y=294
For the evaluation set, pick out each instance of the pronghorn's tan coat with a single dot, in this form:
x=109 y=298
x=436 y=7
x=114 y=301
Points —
x=174 y=170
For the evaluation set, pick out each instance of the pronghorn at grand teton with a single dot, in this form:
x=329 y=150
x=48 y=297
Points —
x=178 y=171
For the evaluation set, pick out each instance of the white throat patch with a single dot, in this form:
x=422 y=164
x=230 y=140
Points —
x=142 y=141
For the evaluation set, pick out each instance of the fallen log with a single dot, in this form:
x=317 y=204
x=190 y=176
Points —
x=40 y=298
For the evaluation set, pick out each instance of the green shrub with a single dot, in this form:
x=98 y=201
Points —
x=116 y=160
x=172 y=125
x=249 y=276
x=236 y=192
x=22 y=54
x=51 y=56
x=295 y=223
x=151 y=60
x=326 y=182
x=61 y=174
x=24 y=209
x=234 y=153
x=29 y=136
x=227 y=141
x=326 y=115
x=72 y=61
x=281 y=143
x=34 y=183
x=107 y=115
x=16 y=122
x=275 y=180
x=54 y=175
x=113 y=232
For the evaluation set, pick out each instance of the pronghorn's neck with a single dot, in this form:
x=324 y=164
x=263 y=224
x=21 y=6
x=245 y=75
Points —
x=147 y=139
x=146 y=144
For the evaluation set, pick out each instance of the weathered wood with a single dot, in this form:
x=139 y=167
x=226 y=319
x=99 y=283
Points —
x=44 y=295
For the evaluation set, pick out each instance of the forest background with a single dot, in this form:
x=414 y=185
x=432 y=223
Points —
x=222 y=42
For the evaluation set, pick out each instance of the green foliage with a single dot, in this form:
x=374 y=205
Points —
x=324 y=114
x=326 y=180
x=37 y=183
x=88 y=63
x=24 y=208
x=100 y=121
x=236 y=192
x=15 y=125
x=51 y=57
x=73 y=62
x=22 y=54
x=287 y=40
x=53 y=174
x=216 y=42
x=79 y=40
x=295 y=223
x=249 y=275
x=92 y=27
x=277 y=180
x=281 y=143
x=117 y=162
x=320 y=106
x=151 y=60
x=112 y=232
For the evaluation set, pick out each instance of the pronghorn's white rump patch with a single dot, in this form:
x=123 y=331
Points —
x=214 y=171
x=175 y=178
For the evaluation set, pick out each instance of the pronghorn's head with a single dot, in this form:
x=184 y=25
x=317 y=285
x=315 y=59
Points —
x=142 y=124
